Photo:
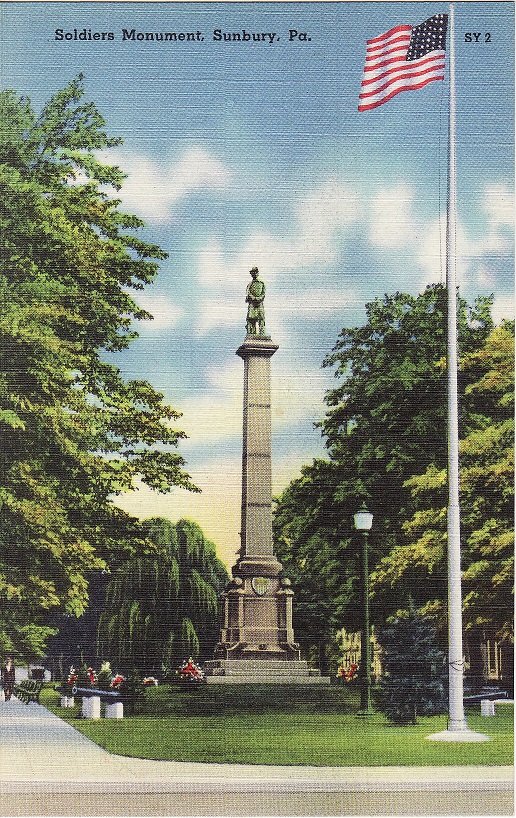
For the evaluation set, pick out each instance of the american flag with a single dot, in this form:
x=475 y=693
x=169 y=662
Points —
x=405 y=58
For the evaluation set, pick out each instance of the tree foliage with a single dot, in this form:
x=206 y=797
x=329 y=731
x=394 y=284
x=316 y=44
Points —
x=487 y=496
x=386 y=424
x=315 y=545
x=159 y=610
x=413 y=676
x=387 y=415
x=74 y=432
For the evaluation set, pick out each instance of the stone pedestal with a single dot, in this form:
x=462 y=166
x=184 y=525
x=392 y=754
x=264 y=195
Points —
x=115 y=710
x=257 y=639
x=91 y=707
x=487 y=708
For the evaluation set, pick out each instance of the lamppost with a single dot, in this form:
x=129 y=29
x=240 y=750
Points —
x=363 y=522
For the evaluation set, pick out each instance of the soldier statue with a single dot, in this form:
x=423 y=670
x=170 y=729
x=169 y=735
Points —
x=254 y=296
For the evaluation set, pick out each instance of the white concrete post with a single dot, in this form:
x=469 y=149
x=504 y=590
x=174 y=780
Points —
x=115 y=710
x=91 y=707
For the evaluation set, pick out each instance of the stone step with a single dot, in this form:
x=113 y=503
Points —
x=226 y=671
x=257 y=664
x=268 y=679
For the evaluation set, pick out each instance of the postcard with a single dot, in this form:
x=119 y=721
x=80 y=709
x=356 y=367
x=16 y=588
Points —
x=257 y=403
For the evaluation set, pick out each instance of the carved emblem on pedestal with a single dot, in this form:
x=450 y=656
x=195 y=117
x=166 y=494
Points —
x=260 y=585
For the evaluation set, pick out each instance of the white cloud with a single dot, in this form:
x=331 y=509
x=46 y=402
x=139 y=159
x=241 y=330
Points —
x=319 y=222
x=165 y=313
x=430 y=253
x=321 y=216
x=154 y=189
x=211 y=418
x=503 y=307
x=312 y=301
x=228 y=378
x=395 y=225
x=499 y=205
x=471 y=266
x=391 y=214
x=485 y=277
x=473 y=251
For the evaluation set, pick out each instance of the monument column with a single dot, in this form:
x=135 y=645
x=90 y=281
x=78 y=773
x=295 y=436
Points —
x=256 y=551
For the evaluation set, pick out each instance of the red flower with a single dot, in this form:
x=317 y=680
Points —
x=348 y=673
x=190 y=670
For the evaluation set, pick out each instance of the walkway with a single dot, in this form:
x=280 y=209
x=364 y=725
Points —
x=48 y=768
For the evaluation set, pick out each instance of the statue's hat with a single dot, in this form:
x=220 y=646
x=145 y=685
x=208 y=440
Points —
x=253 y=270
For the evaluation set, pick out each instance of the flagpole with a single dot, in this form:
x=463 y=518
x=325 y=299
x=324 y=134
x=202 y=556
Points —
x=457 y=729
x=456 y=718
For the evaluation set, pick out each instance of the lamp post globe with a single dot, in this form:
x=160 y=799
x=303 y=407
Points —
x=363 y=520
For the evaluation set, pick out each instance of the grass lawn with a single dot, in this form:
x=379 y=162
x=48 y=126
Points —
x=265 y=726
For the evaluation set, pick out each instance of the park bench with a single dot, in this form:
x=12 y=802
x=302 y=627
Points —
x=28 y=691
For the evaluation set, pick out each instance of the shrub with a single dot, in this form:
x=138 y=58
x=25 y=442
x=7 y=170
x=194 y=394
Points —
x=132 y=692
x=414 y=673
x=86 y=677
x=104 y=676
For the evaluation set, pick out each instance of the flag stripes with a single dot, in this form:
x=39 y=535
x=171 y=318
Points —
x=422 y=63
x=388 y=34
x=405 y=58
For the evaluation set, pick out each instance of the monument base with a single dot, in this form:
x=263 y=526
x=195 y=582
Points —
x=262 y=671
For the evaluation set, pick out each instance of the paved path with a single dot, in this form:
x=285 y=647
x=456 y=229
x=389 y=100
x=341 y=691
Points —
x=49 y=768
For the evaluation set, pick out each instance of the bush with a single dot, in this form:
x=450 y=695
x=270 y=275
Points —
x=104 y=676
x=132 y=693
x=86 y=677
x=413 y=670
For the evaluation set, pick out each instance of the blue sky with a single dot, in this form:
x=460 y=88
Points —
x=244 y=154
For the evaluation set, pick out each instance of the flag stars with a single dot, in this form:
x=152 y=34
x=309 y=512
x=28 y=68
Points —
x=428 y=36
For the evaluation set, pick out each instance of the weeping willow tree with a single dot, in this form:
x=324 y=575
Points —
x=162 y=609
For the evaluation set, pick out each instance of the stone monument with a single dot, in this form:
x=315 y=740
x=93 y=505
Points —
x=257 y=639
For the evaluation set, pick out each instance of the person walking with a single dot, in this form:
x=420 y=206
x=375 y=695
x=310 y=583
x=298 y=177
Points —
x=8 y=678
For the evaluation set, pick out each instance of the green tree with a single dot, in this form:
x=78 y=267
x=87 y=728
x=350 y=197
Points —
x=413 y=676
x=160 y=610
x=417 y=564
x=314 y=542
x=75 y=434
x=386 y=420
x=387 y=415
x=75 y=642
